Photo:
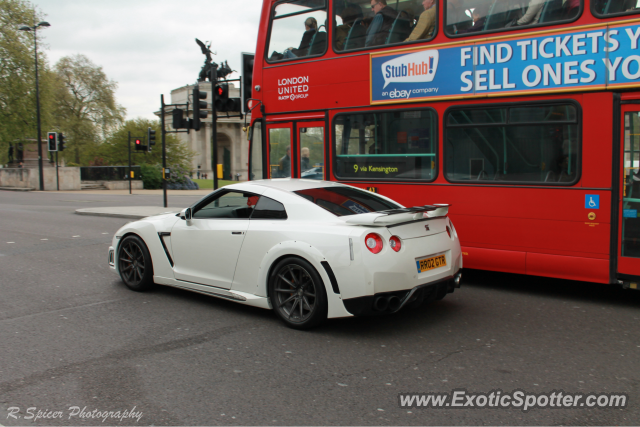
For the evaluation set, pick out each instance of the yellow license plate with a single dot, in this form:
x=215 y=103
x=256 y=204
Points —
x=431 y=263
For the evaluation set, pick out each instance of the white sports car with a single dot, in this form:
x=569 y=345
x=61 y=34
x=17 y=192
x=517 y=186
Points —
x=310 y=250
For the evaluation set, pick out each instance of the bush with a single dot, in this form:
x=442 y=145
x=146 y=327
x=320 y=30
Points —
x=179 y=174
x=151 y=176
x=72 y=165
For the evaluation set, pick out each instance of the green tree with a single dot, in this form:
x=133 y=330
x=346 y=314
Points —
x=114 y=151
x=17 y=75
x=86 y=108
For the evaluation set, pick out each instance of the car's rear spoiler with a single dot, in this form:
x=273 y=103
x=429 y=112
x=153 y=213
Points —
x=397 y=216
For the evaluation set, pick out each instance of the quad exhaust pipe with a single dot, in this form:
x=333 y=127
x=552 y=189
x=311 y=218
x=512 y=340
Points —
x=391 y=303
x=394 y=303
x=381 y=303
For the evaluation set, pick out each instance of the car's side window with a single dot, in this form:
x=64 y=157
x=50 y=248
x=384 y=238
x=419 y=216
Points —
x=229 y=205
x=269 y=209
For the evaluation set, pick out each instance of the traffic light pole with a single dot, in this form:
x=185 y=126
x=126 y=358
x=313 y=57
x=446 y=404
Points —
x=214 y=126
x=164 y=152
x=57 y=176
x=129 y=145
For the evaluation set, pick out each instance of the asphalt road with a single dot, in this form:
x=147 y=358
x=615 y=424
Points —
x=72 y=335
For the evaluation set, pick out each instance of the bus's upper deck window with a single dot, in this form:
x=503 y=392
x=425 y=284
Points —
x=614 y=7
x=298 y=29
x=475 y=16
x=373 y=23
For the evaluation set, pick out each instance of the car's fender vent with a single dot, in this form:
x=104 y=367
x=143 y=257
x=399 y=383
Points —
x=166 y=251
x=332 y=277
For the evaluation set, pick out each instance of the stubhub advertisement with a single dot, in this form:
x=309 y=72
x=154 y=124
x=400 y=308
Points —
x=602 y=57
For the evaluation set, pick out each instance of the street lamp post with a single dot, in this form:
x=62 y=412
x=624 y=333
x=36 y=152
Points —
x=35 y=41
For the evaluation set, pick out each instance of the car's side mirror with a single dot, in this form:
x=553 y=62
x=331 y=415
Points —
x=186 y=214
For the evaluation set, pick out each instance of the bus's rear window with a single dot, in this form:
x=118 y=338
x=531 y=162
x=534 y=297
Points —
x=342 y=201
x=393 y=145
x=535 y=144
x=468 y=17
x=614 y=7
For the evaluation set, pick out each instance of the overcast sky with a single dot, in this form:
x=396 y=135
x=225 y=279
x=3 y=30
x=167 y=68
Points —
x=148 y=46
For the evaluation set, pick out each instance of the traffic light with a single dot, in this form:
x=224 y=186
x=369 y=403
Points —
x=222 y=95
x=179 y=122
x=223 y=102
x=53 y=141
x=151 y=138
x=61 y=142
x=247 y=80
x=197 y=108
x=139 y=146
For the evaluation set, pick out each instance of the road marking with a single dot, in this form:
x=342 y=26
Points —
x=9 y=243
x=44 y=239
x=75 y=236
x=105 y=233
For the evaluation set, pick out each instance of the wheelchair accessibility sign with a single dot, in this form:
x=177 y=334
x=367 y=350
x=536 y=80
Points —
x=592 y=201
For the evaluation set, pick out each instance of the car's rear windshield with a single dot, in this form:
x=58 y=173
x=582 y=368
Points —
x=343 y=201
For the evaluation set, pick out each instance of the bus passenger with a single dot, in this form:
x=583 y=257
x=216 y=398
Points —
x=378 y=31
x=284 y=166
x=310 y=28
x=479 y=16
x=532 y=16
x=426 y=23
x=564 y=175
x=349 y=15
x=304 y=159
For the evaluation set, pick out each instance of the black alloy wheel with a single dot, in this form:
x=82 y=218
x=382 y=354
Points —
x=297 y=293
x=134 y=264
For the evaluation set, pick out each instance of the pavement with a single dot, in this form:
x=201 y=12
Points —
x=130 y=212
x=17 y=188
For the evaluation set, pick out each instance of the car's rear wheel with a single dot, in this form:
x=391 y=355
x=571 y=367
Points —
x=134 y=264
x=297 y=293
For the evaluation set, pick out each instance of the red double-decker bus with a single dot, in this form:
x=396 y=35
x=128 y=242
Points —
x=522 y=114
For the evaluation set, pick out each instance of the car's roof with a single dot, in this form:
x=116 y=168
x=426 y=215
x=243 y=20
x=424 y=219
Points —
x=293 y=184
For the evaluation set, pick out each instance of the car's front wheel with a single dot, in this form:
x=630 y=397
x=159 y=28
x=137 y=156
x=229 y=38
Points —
x=297 y=293
x=134 y=264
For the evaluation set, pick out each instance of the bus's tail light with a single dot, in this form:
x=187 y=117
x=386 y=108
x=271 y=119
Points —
x=395 y=243
x=373 y=243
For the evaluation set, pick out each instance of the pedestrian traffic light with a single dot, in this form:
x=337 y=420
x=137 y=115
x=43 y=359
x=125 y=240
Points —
x=61 y=142
x=151 y=138
x=247 y=80
x=198 y=105
x=53 y=141
x=139 y=146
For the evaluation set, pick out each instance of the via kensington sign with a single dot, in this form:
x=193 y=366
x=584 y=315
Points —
x=596 y=58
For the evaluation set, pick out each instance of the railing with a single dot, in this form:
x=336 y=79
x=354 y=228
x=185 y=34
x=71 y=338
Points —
x=108 y=173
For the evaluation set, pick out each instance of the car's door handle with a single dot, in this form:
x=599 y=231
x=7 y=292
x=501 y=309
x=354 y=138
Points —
x=236 y=232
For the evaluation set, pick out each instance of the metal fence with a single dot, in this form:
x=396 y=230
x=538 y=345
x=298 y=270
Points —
x=108 y=173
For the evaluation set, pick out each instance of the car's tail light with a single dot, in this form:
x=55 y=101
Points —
x=449 y=231
x=373 y=243
x=395 y=243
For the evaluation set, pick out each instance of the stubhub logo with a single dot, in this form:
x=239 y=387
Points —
x=419 y=67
